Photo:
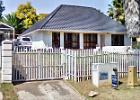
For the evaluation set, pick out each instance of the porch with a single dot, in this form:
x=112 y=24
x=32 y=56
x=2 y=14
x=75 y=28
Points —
x=71 y=40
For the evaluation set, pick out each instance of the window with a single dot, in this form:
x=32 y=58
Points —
x=71 y=40
x=90 y=41
x=1 y=38
x=117 y=40
x=26 y=39
x=55 y=39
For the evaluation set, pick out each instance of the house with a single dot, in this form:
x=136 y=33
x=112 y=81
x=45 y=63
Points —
x=6 y=31
x=78 y=27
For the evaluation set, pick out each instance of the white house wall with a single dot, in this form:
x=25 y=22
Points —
x=98 y=39
x=62 y=39
x=36 y=36
x=107 y=39
x=42 y=37
x=81 y=40
x=127 y=40
x=46 y=38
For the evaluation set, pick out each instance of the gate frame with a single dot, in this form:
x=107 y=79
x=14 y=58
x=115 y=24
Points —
x=40 y=67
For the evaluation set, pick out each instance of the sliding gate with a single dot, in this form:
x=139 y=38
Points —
x=40 y=64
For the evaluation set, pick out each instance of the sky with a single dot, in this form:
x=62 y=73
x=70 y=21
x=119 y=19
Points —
x=47 y=6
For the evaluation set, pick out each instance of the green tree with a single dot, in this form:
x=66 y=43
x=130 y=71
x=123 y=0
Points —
x=42 y=16
x=2 y=8
x=116 y=11
x=27 y=14
x=13 y=21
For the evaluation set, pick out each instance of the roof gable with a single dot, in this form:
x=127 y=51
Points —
x=70 y=17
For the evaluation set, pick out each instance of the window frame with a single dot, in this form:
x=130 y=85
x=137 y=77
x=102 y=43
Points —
x=117 y=39
x=70 y=42
x=90 y=40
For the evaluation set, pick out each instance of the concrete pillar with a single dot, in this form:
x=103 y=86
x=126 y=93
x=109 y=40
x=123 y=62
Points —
x=98 y=40
x=49 y=39
x=127 y=40
x=81 y=40
x=6 y=61
x=108 y=40
x=62 y=39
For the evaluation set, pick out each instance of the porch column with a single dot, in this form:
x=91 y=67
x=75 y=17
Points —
x=98 y=40
x=49 y=39
x=62 y=39
x=108 y=40
x=81 y=40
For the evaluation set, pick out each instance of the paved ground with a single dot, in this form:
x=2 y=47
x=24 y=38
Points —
x=46 y=90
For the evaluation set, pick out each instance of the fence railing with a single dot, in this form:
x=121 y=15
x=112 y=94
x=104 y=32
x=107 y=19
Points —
x=76 y=63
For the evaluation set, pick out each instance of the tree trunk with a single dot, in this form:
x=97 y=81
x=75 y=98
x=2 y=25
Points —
x=132 y=17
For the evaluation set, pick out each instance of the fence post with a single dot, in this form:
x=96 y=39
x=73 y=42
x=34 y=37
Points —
x=75 y=71
x=62 y=55
x=63 y=62
x=6 y=61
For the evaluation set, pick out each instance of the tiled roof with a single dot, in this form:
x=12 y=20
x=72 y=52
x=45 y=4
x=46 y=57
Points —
x=70 y=17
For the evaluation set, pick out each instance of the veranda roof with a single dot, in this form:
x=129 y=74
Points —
x=4 y=28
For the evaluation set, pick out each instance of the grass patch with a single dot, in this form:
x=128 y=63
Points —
x=106 y=92
x=83 y=88
x=8 y=92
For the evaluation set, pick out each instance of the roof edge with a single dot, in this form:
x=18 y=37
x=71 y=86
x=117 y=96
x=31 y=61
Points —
x=6 y=25
x=74 y=31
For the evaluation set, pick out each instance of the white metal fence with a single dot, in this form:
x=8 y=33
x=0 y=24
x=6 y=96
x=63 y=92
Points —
x=37 y=64
x=71 y=64
x=85 y=58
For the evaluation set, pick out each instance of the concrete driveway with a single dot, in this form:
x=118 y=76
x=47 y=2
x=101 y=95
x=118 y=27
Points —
x=46 y=90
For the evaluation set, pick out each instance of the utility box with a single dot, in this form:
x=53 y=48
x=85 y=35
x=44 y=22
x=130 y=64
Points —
x=102 y=73
x=132 y=76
